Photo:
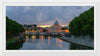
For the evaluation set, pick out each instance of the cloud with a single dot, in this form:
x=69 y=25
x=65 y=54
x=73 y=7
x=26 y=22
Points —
x=44 y=14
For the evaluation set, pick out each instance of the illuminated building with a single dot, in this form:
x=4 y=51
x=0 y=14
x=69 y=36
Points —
x=56 y=27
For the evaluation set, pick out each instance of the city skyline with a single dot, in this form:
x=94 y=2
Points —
x=44 y=15
x=49 y=28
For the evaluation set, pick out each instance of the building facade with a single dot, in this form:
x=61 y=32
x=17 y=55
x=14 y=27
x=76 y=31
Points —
x=55 y=28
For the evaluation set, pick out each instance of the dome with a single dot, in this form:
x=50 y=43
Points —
x=56 y=23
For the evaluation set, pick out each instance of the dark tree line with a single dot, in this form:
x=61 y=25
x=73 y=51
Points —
x=83 y=24
x=29 y=26
x=64 y=28
x=12 y=27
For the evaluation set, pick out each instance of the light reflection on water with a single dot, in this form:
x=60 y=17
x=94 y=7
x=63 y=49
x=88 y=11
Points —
x=48 y=40
x=41 y=39
x=41 y=42
x=45 y=43
x=59 y=43
x=26 y=40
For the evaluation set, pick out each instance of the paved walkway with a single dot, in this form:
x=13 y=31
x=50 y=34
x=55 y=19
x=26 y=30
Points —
x=79 y=41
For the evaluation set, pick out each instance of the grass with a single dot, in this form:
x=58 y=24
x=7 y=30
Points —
x=11 y=39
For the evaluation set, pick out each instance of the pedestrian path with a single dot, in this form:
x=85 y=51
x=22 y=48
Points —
x=78 y=41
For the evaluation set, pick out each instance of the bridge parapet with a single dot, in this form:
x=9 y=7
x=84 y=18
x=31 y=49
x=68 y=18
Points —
x=46 y=32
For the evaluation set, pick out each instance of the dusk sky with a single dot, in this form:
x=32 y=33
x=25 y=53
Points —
x=44 y=15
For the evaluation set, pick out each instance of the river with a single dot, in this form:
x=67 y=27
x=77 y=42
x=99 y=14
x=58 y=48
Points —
x=44 y=43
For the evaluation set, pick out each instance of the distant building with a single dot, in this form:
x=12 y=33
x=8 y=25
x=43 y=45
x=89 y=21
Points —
x=55 y=28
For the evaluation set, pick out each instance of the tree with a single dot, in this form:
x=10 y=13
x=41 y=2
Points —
x=83 y=24
x=64 y=28
x=12 y=27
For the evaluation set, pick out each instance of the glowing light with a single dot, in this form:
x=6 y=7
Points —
x=32 y=30
x=41 y=30
x=33 y=37
x=66 y=30
x=26 y=36
x=44 y=26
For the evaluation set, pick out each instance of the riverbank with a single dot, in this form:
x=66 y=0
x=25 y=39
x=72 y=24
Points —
x=77 y=42
x=12 y=39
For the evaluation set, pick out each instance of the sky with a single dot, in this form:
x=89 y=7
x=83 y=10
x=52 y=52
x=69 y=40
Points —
x=44 y=15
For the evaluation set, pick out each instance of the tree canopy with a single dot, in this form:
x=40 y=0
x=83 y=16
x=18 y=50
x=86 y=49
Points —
x=64 y=28
x=83 y=24
x=12 y=27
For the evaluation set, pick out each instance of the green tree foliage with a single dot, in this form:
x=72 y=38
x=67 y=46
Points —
x=13 y=27
x=83 y=24
x=64 y=28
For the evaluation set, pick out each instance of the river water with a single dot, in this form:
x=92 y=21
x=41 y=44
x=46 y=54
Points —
x=44 y=43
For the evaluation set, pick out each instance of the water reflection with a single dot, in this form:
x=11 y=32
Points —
x=44 y=43
x=40 y=42
x=26 y=36
x=34 y=37
x=59 y=43
x=41 y=39
x=26 y=40
x=48 y=40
